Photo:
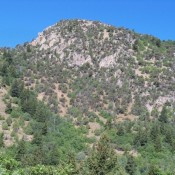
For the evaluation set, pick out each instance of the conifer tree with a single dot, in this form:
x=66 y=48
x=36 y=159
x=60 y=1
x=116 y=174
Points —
x=1 y=140
x=20 y=151
x=103 y=159
x=16 y=88
x=158 y=143
x=164 y=115
x=8 y=109
x=130 y=166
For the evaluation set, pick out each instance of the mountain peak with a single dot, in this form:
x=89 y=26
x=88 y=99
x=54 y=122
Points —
x=76 y=40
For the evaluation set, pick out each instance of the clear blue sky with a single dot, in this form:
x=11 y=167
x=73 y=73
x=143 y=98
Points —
x=21 y=20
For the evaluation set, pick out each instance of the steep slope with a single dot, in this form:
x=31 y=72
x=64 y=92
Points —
x=87 y=70
x=114 y=85
x=78 y=42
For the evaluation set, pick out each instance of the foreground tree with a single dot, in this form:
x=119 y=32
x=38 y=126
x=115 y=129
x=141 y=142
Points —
x=130 y=166
x=103 y=159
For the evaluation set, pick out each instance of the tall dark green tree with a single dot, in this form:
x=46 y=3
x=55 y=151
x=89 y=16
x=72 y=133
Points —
x=1 y=140
x=130 y=166
x=155 y=131
x=42 y=113
x=4 y=68
x=141 y=137
x=8 y=109
x=154 y=171
x=20 y=150
x=17 y=88
x=28 y=102
x=103 y=159
x=158 y=144
x=37 y=138
x=7 y=55
x=164 y=115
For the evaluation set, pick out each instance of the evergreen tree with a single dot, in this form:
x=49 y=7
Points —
x=28 y=102
x=38 y=155
x=37 y=138
x=103 y=159
x=141 y=137
x=120 y=130
x=20 y=151
x=154 y=171
x=169 y=135
x=4 y=69
x=164 y=115
x=1 y=140
x=16 y=88
x=8 y=109
x=8 y=57
x=44 y=129
x=42 y=113
x=155 y=131
x=130 y=166
x=158 y=143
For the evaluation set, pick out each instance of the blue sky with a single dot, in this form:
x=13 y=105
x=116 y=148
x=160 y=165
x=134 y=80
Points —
x=21 y=20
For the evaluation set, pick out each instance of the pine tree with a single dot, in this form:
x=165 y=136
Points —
x=16 y=88
x=103 y=159
x=38 y=155
x=28 y=102
x=164 y=115
x=72 y=162
x=37 y=138
x=141 y=137
x=154 y=171
x=158 y=143
x=8 y=109
x=120 y=130
x=1 y=140
x=130 y=166
x=155 y=131
x=20 y=151
x=42 y=113
x=44 y=129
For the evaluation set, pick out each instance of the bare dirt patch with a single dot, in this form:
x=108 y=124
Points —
x=92 y=127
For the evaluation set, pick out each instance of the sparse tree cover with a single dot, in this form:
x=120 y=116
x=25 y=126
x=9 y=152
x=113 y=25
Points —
x=95 y=100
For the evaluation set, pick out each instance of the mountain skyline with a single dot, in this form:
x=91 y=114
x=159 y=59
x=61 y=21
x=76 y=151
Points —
x=21 y=20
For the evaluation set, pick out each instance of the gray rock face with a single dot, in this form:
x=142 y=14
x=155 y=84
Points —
x=79 y=42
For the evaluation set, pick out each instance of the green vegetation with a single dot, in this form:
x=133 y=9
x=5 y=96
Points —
x=64 y=118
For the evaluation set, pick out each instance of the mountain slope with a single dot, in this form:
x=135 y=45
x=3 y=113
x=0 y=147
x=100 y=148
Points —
x=106 y=81
x=94 y=66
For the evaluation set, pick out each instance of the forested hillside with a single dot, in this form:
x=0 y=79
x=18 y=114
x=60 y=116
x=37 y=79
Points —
x=88 y=98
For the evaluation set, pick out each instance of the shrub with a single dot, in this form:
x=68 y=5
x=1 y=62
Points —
x=26 y=116
x=98 y=132
x=80 y=156
x=9 y=121
x=1 y=117
x=15 y=113
x=5 y=125
x=29 y=130
x=15 y=100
